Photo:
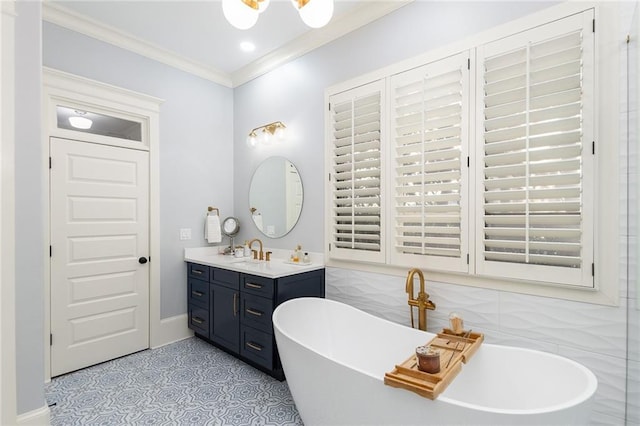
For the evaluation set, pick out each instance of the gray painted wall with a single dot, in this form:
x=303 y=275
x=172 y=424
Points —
x=196 y=163
x=29 y=219
x=294 y=94
x=196 y=155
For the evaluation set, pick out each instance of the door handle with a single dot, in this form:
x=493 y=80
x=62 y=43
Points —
x=252 y=285
x=235 y=304
x=254 y=312
x=142 y=260
x=254 y=346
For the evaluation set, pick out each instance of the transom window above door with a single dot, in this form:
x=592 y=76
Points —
x=80 y=120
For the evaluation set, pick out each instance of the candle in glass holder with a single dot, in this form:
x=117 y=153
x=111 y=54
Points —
x=428 y=359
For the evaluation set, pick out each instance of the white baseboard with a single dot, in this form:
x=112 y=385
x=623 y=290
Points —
x=38 y=417
x=173 y=329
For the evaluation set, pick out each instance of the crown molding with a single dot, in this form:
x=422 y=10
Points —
x=64 y=17
x=364 y=14
x=311 y=40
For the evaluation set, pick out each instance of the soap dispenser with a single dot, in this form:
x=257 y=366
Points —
x=247 y=250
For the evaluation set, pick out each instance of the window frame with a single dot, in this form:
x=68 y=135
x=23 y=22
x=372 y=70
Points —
x=362 y=91
x=607 y=161
x=577 y=277
x=451 y=264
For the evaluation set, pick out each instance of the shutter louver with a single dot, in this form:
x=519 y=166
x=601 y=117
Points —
x=534 y=153
x=429 y=132
x=356 y=174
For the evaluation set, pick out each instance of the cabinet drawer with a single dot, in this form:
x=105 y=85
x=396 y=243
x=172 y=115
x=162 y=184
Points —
x=199 y=320
x=229 y=279
x=260 y=286
x=256 y=312
x=257 y=346
x=199 y=293
x=198 y=271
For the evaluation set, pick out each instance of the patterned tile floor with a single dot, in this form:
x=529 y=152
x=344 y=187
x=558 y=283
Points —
x=186 y=383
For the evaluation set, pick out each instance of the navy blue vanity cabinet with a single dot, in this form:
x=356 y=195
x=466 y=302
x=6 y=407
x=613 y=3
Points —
x=259 y=297
x=233 y=310
x=198 y=298
x=225 y=303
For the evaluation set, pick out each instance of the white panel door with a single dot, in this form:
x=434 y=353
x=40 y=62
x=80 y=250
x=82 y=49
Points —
x=99 y=237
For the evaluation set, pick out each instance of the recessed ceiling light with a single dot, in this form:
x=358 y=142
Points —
x=247 y=46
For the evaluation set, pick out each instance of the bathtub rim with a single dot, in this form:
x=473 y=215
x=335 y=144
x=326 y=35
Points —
x=582 y=397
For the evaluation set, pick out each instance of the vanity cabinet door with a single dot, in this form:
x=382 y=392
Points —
x=256 y=312
x=198 y=293
x=199 y=320
x=260 y=286
x=199 y=272
x=225 y=319
x=257 y=346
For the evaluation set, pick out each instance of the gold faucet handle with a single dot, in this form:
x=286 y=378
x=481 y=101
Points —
x=268 y=256
x=255 y=254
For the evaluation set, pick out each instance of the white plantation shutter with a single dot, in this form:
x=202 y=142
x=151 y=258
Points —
x=429 y=137
x=535 y=114
x=356 y=174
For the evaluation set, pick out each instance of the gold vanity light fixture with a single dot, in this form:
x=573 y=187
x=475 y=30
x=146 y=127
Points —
x=243 y=14
x=266 y=133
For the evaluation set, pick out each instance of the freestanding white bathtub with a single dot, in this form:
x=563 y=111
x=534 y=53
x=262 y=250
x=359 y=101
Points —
x=334 y=357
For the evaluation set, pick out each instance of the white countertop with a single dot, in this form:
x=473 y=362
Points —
x=277 y=267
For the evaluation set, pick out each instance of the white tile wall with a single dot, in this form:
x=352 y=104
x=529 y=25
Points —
x=633 y=175
x=633 y=394
x=593 y=335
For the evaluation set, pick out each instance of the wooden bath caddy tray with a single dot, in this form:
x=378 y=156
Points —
x=457 y=347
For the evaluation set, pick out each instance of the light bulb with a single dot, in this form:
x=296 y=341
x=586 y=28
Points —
x=280 y=133
x=317 y=13
x=80 y=122
x=265 y=137
x=252 y=140
x=239 y=14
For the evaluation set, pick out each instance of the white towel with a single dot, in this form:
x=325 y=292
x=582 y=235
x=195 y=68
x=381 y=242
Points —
x=212 y=229
x=257 y=219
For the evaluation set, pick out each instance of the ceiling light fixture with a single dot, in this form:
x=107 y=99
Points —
x=80 y=122
x=243 y=14
x=266 y=133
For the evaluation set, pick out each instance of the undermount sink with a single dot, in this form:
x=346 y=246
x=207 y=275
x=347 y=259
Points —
x=232 y=259
x=243 y=260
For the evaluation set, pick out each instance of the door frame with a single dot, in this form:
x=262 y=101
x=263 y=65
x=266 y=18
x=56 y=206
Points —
x=71 y=90
x=8 y=390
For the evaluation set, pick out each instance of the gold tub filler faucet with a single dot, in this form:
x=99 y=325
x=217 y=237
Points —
x=422 y=302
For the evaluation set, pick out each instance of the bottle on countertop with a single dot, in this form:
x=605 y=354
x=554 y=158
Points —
x=247 y=250
x=306 y=258
x=297 y=254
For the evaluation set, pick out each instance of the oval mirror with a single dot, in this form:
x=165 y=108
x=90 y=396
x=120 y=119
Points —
x=275 y=197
